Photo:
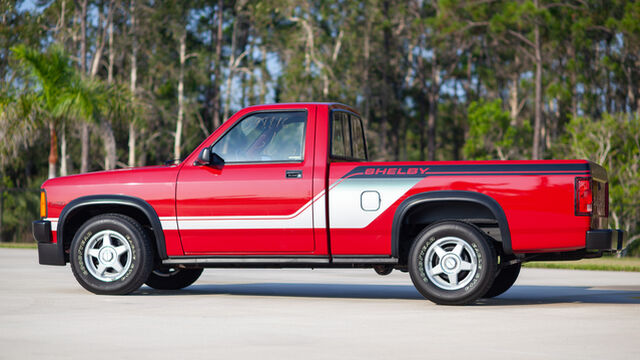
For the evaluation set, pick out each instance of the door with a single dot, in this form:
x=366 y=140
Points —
x=259 y=202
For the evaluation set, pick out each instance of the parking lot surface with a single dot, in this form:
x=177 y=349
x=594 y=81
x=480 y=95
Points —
x=314 y=314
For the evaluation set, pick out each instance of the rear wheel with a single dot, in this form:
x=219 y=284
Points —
x=167 y=278
x=452 y=263
x=111 y=254
x=503 y=282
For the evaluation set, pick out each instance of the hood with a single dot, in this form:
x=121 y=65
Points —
x=121 y=176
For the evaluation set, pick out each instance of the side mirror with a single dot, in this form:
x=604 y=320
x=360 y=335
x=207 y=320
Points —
x=205 y=157
x=208 y=157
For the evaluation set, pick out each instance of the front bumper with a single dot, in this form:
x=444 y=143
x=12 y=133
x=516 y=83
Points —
x=49 y=253
x=605 y=240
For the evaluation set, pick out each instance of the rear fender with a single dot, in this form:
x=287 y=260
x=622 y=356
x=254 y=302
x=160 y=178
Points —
x=449 y=196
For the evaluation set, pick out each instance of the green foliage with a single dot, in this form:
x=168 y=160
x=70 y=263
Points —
x=492 y=135
x=19 y=207
x=456 y=75
x=60 y=91
x=614 y=142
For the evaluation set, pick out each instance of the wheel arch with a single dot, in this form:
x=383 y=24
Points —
x=79 y=210
x=455 y=199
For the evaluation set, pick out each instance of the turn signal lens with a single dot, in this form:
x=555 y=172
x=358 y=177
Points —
x=43 y=204
x=584 y=197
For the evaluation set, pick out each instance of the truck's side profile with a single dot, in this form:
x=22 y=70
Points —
x=290 y=185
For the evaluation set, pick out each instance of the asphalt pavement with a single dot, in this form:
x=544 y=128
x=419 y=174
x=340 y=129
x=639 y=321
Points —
x=314 y=314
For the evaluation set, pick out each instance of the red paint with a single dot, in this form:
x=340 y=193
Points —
x=540 y=209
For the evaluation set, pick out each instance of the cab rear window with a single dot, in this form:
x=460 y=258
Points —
x=347 y=137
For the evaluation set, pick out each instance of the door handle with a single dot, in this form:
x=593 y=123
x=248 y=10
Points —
x=294 y=174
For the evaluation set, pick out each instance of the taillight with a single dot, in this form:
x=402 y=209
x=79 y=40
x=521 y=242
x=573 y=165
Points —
x=43 y=204
x=584 y=196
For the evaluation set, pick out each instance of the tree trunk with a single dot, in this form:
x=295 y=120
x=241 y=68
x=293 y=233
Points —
x=218 y=58
x=61 y=27
x=638 y=97
x=108 y=137
x=232 y=59
x=134 y=79
x=101 y=42
x=365 y=78
x=631 y=101
x=609 y=93
x=110 y=157
x=211 y=85
x=434 y=99
x=63 y=151
x=385 y=93
x=513 y=99
x=264 y=75
x=53 y=150
x=112 y=54
x=514 y=104
x=183 y=50
x=431 y=125
x=83 y=36
x=421 y=128
x=537 y=129
x=84 y=147
x=64 y=171
x=84 y=127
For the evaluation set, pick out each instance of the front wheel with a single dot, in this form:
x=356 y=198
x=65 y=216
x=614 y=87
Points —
x=452 y=263
x=111 y=255
x=172 y=278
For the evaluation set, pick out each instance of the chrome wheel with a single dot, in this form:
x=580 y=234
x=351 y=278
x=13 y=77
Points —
x=107 y=255
x=450 y=263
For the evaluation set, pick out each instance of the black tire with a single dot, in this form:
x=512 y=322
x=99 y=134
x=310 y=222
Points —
x=503 y=282
x=172 y=278
x=461 y=260
x=111 y=254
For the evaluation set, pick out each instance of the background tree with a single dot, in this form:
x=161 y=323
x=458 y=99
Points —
x=443 y=80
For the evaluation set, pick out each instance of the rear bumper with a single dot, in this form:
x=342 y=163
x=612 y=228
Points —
x=49 y=253
x=605 y=240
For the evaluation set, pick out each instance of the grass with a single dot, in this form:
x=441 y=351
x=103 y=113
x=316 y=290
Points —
x=607 y=263
x=12 y=245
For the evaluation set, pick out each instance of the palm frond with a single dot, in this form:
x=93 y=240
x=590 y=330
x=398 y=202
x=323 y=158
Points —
x=52 y=71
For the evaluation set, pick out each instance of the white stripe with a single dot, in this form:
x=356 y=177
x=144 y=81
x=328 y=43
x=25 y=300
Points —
x=302 y=221
x=303 y=218
x=170 y=224
x=345 y=210
x=54 y=223
x=320 y=213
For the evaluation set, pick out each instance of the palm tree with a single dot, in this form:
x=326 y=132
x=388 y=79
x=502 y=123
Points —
x=59 y=95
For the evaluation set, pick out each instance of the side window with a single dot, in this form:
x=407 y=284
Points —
x=359 y=150
x=347 y=137
x=265 y=137
x=340 y=140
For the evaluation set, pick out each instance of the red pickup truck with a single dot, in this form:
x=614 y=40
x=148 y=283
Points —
x=290 y=185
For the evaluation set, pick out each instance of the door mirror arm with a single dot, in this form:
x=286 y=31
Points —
x=216 y=161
